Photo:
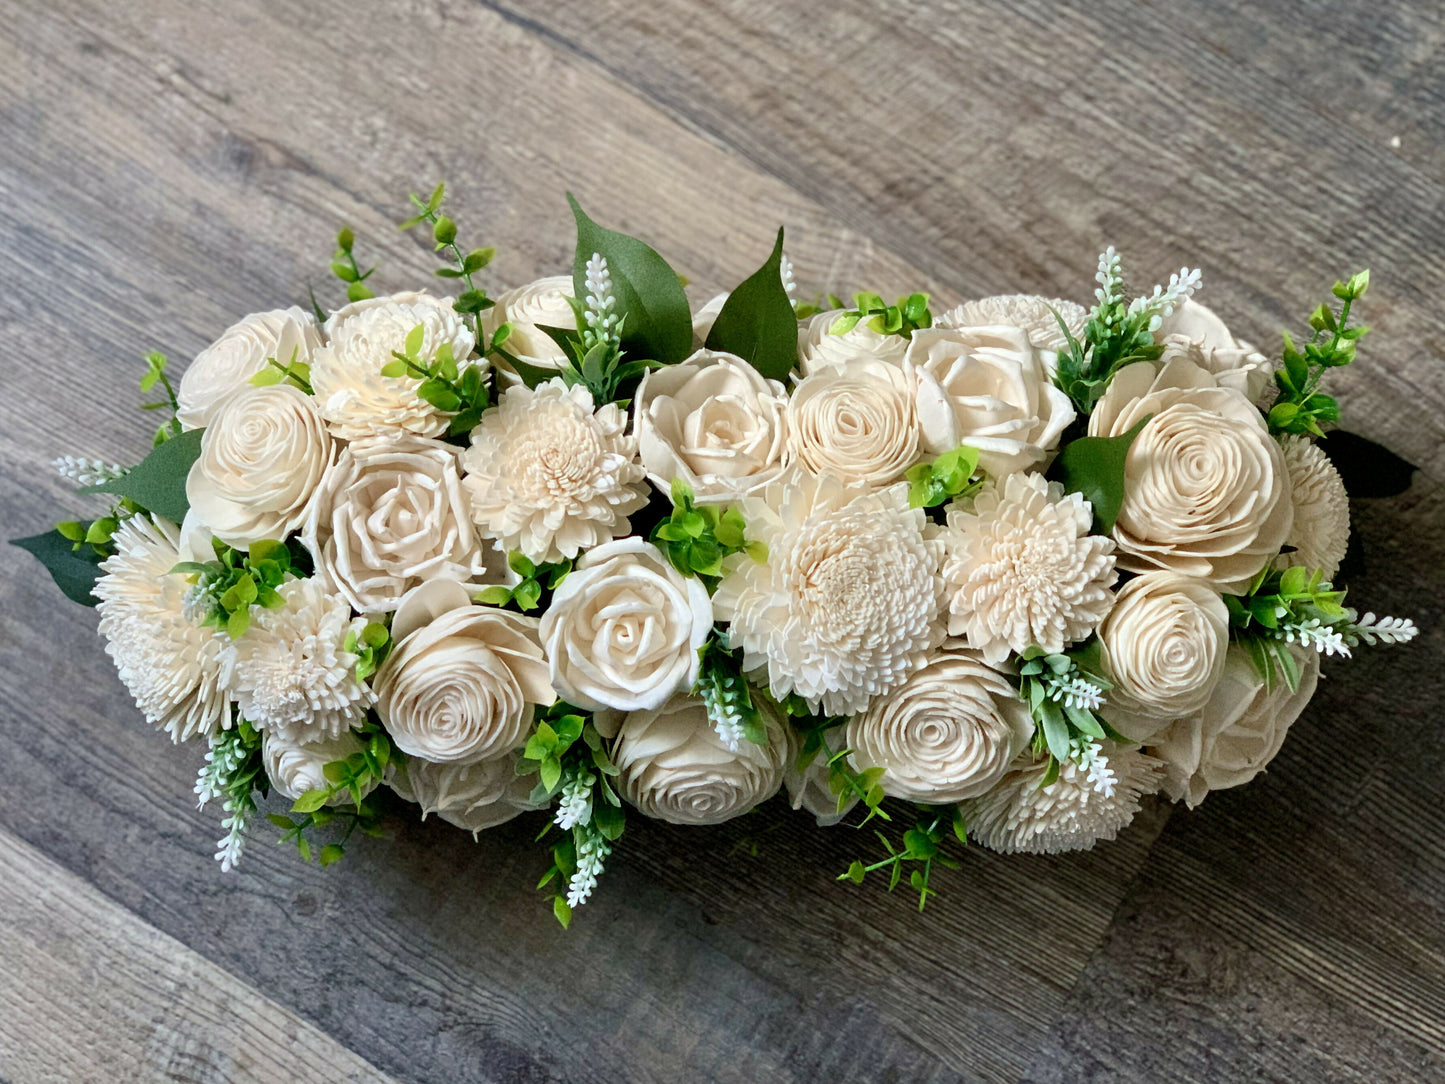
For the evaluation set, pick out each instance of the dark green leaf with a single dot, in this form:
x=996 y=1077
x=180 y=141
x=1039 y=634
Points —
x=74 y=571
x=158 y=482
x=757 y=321
x=1094 y=466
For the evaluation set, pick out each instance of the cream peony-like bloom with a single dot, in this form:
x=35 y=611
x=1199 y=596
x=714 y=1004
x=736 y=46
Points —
x=846 y=605
x=1194 y=332
x=291 y=674
x=675 y=768
x=294 y=768
x=1070 y=814
x=624 y=628
x=354 y=398
x=989 y=388
x=948 y=733
x=1031 y=314
x=462 y=682
x=388 y=515
x=228 y=364
x=551 y=476
x=474 y=796
x=262 y=458
x=857 y=421
x=528 y=309
x=1206 y=489
x=715 y=422
x=1320 y=534
x=1163 y=645
x=169 y=664
x=1023 y=570
x=1237 y=733
x=819 y=348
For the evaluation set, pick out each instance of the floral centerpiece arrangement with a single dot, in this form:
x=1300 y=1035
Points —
x=1003 y=571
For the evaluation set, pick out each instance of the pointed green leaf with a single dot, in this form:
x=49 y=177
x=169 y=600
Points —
x=757 y=322
x=1094 y=466
x=158 y=482
x=74 y=571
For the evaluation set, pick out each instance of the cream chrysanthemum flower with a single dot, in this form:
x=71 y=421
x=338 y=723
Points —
x=170 y=664
x=291 y=674
x=551 y=476
x=1023 y=569
x=1070 y=814
x=1030 y=313
x=846 y=604
x=1321 y=532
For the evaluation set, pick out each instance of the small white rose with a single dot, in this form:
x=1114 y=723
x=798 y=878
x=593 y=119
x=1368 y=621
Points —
x=227 y=365
x=528 y=309
x=1193 y=331
x=262 y=458
x=462 y=682
x=624 y=628
x=857 y=422
x=295 y=768
x=474 y=796
x=675 y=767
x=819 y=348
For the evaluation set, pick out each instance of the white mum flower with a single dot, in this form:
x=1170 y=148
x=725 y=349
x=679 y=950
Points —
x=846 y=604
x=291 y=673
x=1070 y=814
x=1321 y=532
x=551 y=476
x=1023 y=569
x=170 y=665
x=1030 y=313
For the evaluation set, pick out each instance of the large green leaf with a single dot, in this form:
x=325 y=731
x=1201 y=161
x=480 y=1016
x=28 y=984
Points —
x=658 y=321
x=757 y=322
x=1094 y=466
x=158 y=482
x=74 y=572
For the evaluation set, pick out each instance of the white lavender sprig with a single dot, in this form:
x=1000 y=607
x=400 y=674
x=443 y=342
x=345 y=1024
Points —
x=86 y=472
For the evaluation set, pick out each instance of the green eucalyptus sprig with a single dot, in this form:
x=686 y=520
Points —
x=97 y=533
x=846 y=783
x=225 y=589
x=473 y=300
x=156 y=374
x=371 y=646
x=352 y=780
x=457 y=388
x=294 y=372
x=345 y=267
x=1301 y=407
x=1064 y=692
x=907 y=315
x=922 y=847
x=1278 y=603
x=949 y=477
x=536 y=580
x=698 y=537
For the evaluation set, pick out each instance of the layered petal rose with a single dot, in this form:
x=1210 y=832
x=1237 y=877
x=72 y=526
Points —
x=1038 y=317
x=227 y=365
x=261 y=462
x=676 y=768
x=1206 y=490
x=858 y=421
x=948 y=733
x=296 y=767
x=715 y=422
x=1163 y=645
x=819 y=348
x=1237 y=732
x=1193 y=331
x=462 y=682
x=528 y=309
x=989 y=388
x=624 y=628
x=475 y=796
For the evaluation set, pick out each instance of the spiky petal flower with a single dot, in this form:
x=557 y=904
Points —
x=846 y=604
x=1032 y=314
x=170 y=665
x=1321 y=531
x=1022 y=568
x=1072 y=813
x=291 y=673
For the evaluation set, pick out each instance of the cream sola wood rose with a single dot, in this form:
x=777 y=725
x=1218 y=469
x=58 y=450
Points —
x=475 y=796
x=857 y=421
x=295 y=768
x=528 y=309
x=819 y=348
x=462 y=682
x=243 y=350
x=1193 y=331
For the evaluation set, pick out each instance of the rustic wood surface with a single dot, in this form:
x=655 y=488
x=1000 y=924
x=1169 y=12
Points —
x=166 y=166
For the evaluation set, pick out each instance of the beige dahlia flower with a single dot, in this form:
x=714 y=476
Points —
x=1321 y=531
x=1030 y=313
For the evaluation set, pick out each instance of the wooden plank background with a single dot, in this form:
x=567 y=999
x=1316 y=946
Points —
x=166 y=166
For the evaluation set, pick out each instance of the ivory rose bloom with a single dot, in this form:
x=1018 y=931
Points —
x=262 y=458
x=819 y=348
x=528 y=309
x=1206 y=489
x=355 y=399
x=388 y=515
x=676 y=768
x=948 y=733
x=1193 y=331
x=1163 y=645
x=1033 y=315
x=227 y=365
x=1238 y=731
x=474 y=796
x=715 y=422
x=624 y=628
x=989 y=388
x=857 y=422
x=295 y=767
x=462 y=681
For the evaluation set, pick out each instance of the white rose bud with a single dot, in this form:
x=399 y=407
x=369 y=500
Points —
x=989 y=388
x=295 y=768
x=675 y=767
x=227 y=365
x=819 y=348
x=948 y=733
x=1194 y=332
x=475 y=796
x=1237 y=733
x=1163 y=645
x=857 y=422
x=262 y=458
x=528 y=309
x=463 y=680
x=715 y=422
x=624 y=628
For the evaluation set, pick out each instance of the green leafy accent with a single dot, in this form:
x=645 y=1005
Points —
x=296 y=373
x=908 y=315
x=74 y=567
x=1277 y=602
x=1064 y=691
x=847 y=784
x=345 y=267
x=949 y=477
x=1094 y=467
x=1301 y=407
x=236 y=580
x=922 y=847
x=371 y=646
x=158 y=483
x=453 y=386
x=463 y=265
x=351 y=780
x=727 y=694
x=757 y=321
x=697 y=538
x=536 y=582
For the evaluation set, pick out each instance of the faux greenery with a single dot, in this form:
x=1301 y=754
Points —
x=535 y=580
x=156 y=374
x=757 y=321
x=237 y=580
x=727 y=694
x=445 y=383
x=293 y=372
x=846 y=783
x=1301 y=407
x=949 y=477
x=463 y=265
x=158 y=483
x=344 y=267
x=1094 y=467
x=349 y=780
x=1064 y=691
x=697 y=538
x=74 y=567
x=921 y=847
x=233 y=772
x=907 y=315
x=1281 y=607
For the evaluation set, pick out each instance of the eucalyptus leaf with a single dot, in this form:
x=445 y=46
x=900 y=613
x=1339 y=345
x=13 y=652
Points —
x=757 y=321
x=1094 y=467
x=74 y=571
x=158 y=482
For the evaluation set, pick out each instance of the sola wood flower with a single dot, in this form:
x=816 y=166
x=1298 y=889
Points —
x=550 y=476
x=819 y=348
x=1031 y=314
x=1023 y=569
x=294 y=768
x=846 y=604
x=857 y=421
x=1070 y=814
x=1194 y=332
x=170 y=665
x=528 y=309
x=475 y=796
x=227 y=365
x=1321 y=531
